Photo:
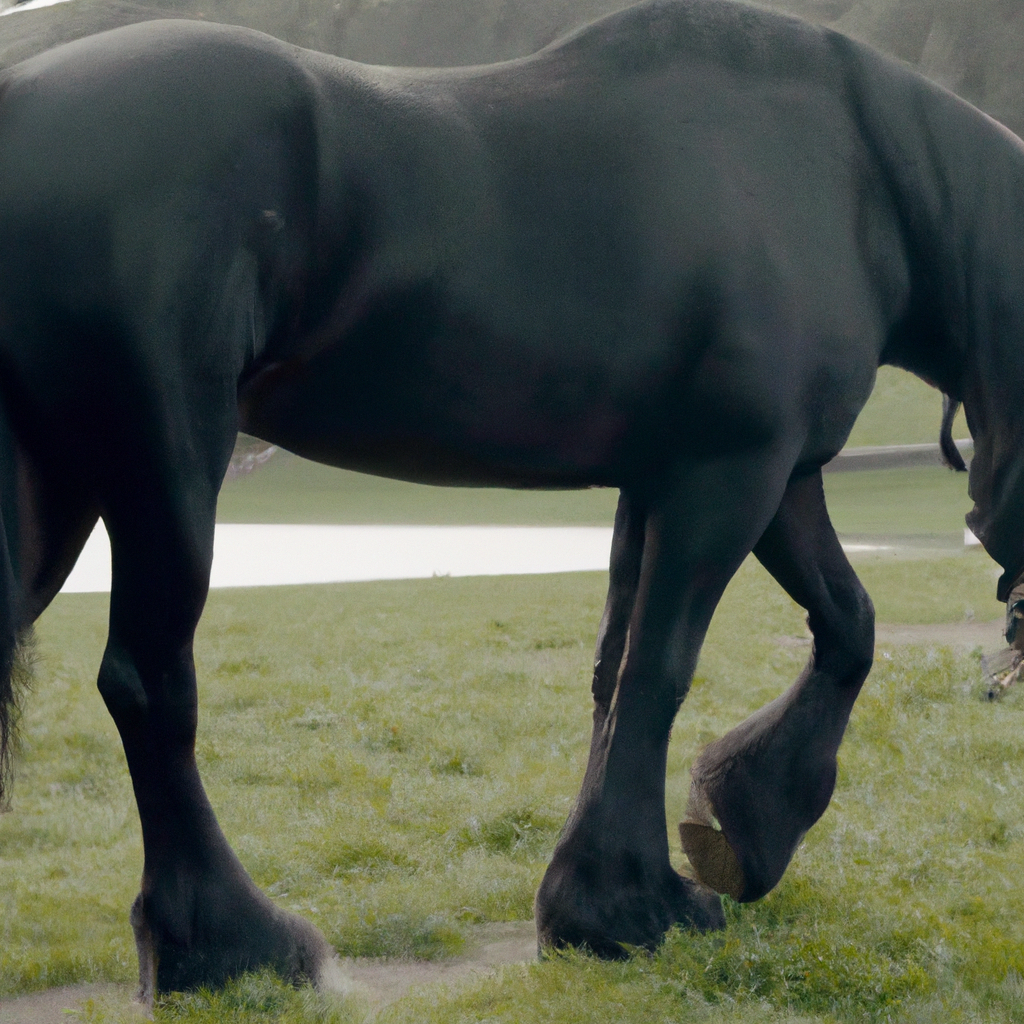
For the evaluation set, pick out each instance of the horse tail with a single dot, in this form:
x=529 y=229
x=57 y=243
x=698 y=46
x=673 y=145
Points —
x=950 y=453
x=12 y=675
x=15 y=635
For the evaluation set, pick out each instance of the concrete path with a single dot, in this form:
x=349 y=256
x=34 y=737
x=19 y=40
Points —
x=30 y=6
x=254 y=555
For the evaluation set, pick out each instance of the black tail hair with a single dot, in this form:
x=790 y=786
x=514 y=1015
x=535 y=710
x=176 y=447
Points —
x=950 y=453
x=15 y=662
x=12 y=674
x=18 y=658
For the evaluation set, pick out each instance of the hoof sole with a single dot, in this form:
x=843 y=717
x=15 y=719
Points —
x=712 y=858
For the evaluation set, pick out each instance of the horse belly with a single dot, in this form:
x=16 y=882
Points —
x=455 y=410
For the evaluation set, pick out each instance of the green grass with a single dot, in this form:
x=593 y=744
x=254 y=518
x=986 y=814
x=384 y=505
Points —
x=902 y=409
x=288 y=489
x=925 y=503
x=930 y=590
x=394 y=760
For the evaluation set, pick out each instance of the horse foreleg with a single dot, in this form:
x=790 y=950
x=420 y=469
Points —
x=770 y=779
x=199 y=919
x=610 y=880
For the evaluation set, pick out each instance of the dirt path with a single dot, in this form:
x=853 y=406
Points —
x=378 y=982
x=986 y=635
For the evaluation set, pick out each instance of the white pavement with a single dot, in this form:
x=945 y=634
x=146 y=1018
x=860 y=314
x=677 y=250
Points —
x=31 y=6
x=251 y=555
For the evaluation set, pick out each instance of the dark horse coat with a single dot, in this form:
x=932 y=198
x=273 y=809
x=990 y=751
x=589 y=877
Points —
x=666 y=255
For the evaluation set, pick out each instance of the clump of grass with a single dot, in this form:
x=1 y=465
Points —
x=434 y=937
x=800 y=962
x=447 y=762
x=372 y=859
x=254 y=998
x=514 y=832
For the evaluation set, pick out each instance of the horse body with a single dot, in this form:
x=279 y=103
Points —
x=666 y=255
x=541 y=205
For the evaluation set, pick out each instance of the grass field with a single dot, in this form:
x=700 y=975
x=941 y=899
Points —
x=395 y=760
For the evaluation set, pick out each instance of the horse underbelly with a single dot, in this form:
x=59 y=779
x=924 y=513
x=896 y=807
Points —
x=435 y=429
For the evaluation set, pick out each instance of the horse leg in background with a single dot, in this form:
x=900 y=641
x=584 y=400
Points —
x=199 y=919
x=770 y=779
x=623 y=577
x=610 y=880
x=57 y=514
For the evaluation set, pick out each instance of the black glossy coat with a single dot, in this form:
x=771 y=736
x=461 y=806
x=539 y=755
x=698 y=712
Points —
x=666 y=255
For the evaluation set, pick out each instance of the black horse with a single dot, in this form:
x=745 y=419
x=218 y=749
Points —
x=665 y=255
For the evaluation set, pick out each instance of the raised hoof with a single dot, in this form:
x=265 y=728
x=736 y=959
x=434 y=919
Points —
x=744 y=822
x=253 y=936
x=573 y=916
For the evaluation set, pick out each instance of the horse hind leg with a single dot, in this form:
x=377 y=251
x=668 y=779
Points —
x=623 y=580
x=199 y=919
x=756 y=791
x=610 y=881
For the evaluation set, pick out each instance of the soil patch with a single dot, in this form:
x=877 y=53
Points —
x=964 y=635
x=489 y=947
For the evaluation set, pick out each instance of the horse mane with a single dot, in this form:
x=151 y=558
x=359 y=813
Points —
x=951 y=456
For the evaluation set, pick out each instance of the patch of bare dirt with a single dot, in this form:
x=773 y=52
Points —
x=986 y=635
x=56 y=1005
x=379 y=982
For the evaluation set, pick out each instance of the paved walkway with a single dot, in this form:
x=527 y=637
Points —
x=31 y=6
x=254 y=555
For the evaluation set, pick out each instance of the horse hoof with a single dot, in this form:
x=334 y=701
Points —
x=572 y=911
x=259 y=936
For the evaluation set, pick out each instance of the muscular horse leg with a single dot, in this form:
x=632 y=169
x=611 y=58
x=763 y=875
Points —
x=199 y=919
x=770 y=779
x=610 y=880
